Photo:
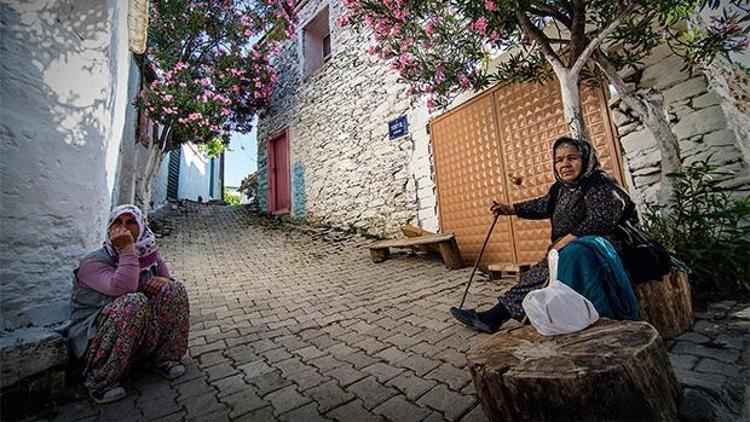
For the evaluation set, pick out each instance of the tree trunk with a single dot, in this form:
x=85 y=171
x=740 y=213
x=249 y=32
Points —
x=144 y=183
x=666 y=304
x=613 y=371
x=572 y=107
x=649 y=109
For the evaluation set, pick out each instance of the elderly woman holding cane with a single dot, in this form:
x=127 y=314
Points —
x=126 y=308
x=585 y=207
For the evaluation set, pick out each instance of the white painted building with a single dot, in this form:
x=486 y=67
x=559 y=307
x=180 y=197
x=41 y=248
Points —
x=64 y=83
x=188 y=173
x=68 y=80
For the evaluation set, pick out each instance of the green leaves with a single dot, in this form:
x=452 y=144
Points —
x=708 y=229
x=211 y=77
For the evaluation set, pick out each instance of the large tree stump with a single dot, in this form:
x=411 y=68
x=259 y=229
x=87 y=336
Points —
x=666 y=304
x=612 y=371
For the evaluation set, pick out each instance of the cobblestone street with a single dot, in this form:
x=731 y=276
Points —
x=299 y=325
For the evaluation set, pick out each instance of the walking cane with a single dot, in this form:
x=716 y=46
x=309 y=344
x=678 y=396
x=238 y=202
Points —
x=479 y=258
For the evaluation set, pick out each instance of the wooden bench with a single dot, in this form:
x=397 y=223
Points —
x=613 y=370
x=445 y=244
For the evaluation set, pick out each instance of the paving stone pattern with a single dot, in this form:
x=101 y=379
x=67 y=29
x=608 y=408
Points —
x=297 y=324
x=711 y=362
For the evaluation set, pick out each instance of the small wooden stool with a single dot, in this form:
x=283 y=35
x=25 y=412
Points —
x=613 y=370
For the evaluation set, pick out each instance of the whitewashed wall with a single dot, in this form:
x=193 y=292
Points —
x=64 y=94
x=159 y=194
x=195 y=179
x=345 y=172
x=709 y=113
x=127 y=162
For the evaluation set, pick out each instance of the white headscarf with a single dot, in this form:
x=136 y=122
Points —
x=146 y=242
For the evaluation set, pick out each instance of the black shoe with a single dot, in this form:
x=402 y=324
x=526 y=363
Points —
x=470 y=318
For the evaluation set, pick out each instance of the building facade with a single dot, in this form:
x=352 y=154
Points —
x=188 y=173
x=324 y=150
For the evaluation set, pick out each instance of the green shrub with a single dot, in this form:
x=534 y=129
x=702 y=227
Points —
x=232 y=198
x=707 y=229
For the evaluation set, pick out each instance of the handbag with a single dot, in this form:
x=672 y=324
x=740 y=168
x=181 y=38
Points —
x=644 y=258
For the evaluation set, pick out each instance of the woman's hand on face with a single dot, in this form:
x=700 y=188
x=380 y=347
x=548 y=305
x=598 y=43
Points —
x=500 y=208
x=155 y=284
x=122 y=239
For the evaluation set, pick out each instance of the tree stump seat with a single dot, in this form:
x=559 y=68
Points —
x=445 y=244
x=613 y=370
x=666 y=304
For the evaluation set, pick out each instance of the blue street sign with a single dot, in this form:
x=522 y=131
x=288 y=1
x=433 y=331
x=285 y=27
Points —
x=398 y=127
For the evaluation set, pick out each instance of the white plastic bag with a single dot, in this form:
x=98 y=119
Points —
x=558 y=309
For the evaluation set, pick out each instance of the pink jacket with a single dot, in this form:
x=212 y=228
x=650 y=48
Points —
x=118 y=281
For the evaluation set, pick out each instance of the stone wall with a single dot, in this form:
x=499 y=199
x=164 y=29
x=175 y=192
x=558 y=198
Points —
x=64 y=85
x=345 y=172
x=708 y=111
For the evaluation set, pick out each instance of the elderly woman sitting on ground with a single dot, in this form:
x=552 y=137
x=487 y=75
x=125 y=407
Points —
x=585 y=207
x=127 y=308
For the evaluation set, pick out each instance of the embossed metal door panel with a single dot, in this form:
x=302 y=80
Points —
x=530 y=118
x=502 y=136
x=469 y=173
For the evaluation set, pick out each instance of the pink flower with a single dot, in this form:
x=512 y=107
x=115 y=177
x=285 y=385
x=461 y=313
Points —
x=430 y=104
x=490 y=5
x=225 y=111
x=440 y=73
x=342 y=20
x=480 y=25
x=464 y=81
x=429 y=27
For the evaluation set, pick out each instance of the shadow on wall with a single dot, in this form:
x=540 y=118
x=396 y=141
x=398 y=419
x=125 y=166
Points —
x=54 y=128
x=299 y=199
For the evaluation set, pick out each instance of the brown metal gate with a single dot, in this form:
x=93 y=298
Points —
x=503 y=134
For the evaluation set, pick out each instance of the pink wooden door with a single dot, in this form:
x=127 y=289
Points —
x=278 y=166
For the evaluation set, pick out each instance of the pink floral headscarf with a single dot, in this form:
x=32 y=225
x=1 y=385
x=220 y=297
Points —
x=146 y=242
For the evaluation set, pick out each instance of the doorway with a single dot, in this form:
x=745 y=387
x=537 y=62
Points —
x=278 y=175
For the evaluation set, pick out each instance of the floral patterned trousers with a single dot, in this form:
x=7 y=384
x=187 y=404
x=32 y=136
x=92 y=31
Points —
x=137 y=327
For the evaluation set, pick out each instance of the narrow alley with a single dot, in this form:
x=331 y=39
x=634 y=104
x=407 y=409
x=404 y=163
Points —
x=300 y=325
x=297 y=324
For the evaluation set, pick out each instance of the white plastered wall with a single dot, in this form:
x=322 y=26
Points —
x=64 y=94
